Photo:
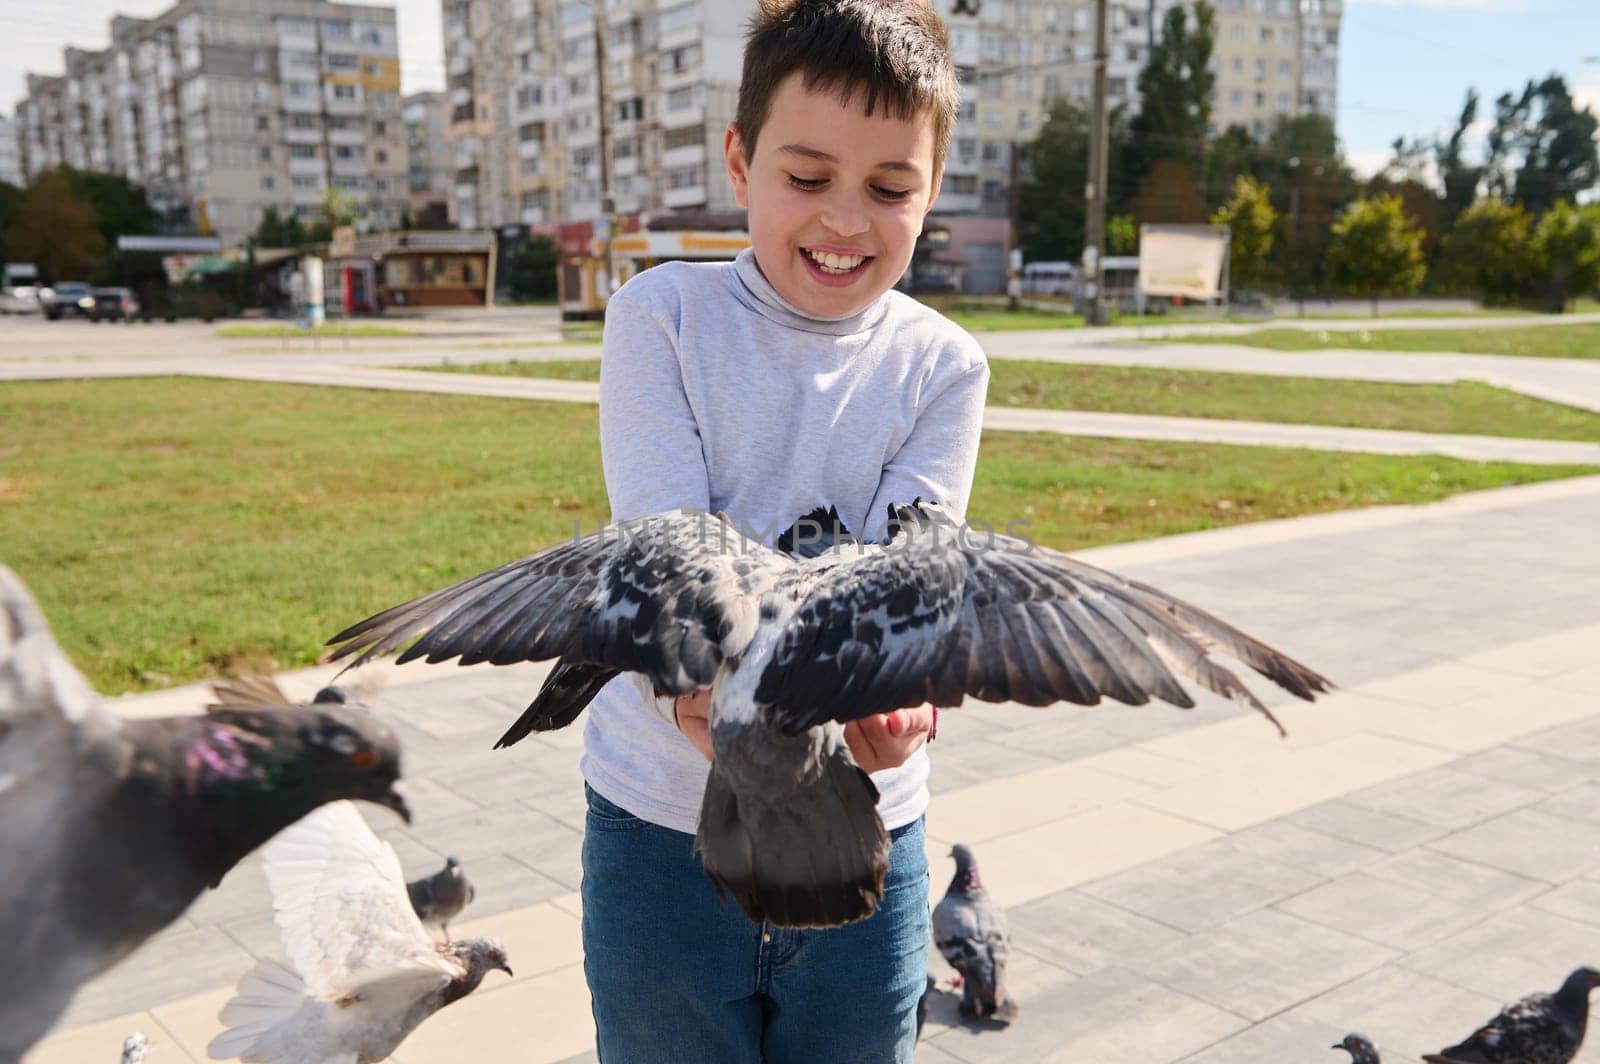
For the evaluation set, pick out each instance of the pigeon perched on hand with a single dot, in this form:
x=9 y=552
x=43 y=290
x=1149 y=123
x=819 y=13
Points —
x=1360 y=1048
x=439 y=898
x=1539 y=1029
x=969 y=929
x=793 y=648
x=109 y=828
x=362 y=972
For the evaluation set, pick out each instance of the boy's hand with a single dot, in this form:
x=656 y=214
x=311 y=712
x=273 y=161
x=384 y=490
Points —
x=887 y=740
x=883 y=740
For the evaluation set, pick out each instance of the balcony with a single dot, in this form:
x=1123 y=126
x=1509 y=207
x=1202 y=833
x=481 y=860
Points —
x=691 y=196
x=689 y=155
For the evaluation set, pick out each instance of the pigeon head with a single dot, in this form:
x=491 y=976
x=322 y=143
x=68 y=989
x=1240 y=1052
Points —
x=332 y=693
x=479 y=956
x=966 y=880
x=243 y=775
x=1360 y=1048
x=1574 y=993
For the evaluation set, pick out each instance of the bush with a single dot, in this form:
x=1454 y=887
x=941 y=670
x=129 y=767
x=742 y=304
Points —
x=531 y=269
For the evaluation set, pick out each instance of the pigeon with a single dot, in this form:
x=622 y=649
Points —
x=439 y=898
x=362 y=971
x=109 y=827
x=1539 y=1029
x=1360 y=1048
x=969 y=929
x=134 y=1048
x=793 y=648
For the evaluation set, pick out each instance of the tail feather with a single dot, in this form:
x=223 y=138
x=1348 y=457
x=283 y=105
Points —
x=567 y=691
x=268 y=995
x=814 y=856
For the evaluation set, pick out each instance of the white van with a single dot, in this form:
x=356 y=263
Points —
x=1049 y=279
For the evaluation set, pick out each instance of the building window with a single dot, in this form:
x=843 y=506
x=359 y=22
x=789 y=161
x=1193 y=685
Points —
x=630 y=110
x=686 y=177
x=263 y=123
x=344 y=92
x=335 y=30
x=681 y=99
x=688 y=136
x=991 y=152
x=381 y=156
x=379 y=128
x=992 y=191
x=962 y=184
x=302 y=151
x=266 y=155
x=266 y=184
x=342 y=61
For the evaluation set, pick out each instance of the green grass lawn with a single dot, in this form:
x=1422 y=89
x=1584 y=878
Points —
x=1466 y=407
x=976 y=315
x=176 y=528
x=243 y=331
x=1544 y=341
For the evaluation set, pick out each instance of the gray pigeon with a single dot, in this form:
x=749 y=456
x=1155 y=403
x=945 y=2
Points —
x=793 y=648
x=1360 y=1048
x=362 y=972
x=969 y=929
x=1539 y=1029
x=439 y=898
x=134 y=1048
x=109 y=828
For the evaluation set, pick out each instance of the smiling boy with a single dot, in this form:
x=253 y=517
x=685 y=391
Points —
x=791 y=378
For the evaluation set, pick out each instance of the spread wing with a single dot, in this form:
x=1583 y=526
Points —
x=941 y=613
x=342 y=909
x=40 y=690
x=248 y=692
x=666 y=595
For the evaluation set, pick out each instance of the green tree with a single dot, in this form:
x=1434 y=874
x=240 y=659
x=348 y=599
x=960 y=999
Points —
x=1168 y=193
x=1122 y=235
x=1176 y=86
x=1250 y=219
x=1233 y=154
x=1376 y=250
x=340 y=208
x=531 y=269
x=120 y=206
x=1542 y=146
x=1460 y=179
x=1311 y=184
x=10 y=200
x=1486 y=252
x=1054 y=172
x=1566 y=253
x=55 y=229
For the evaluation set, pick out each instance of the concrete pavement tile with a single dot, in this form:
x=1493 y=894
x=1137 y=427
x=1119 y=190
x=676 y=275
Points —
x=1110 y=1017
x=1445 y=798
x=101 y=1043
x=1345 y=819
x=1286 y=843
x=1584 y=680
x=556 y=857
x=1202 y=886
x=257 y=935
x=1577 y=900
x=1444 y=685
x=501 y=883
x=591 y=1057
x=1083 y=934
x=538 y=938
x=1027 y=976
x=1548 y=656
x=1270 y=787
x=484 y=832
x=571 y=904
x=1477 y=886
x=567 y=806
x=1262 y=963
x=416 y=859
x=1512 y=954
x=1288 y=1036
x=531 y=1021
x=984 y=811
x=1578 y=740
x=972 y=761
x=192 y=1021
x=1530 y=843
x=1071 y=734
x=1381 y=911
x=1063 y=853
x=164 y=968
x=1404 y=1012
x=1144 y=766
x=1576 y=803
x=1526 y=768
x=931 y=1051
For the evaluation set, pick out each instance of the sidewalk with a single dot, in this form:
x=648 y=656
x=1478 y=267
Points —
x=1183 y=886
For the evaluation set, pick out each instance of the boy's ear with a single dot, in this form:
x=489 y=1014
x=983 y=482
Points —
x=738 y=168
x=933 y=193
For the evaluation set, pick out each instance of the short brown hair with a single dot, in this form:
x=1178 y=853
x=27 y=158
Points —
x=895 y=51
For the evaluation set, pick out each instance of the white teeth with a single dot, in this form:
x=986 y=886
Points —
x=835 y=263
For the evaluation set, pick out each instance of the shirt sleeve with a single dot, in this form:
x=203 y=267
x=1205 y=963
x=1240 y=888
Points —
x=650 y=443
x=938 y=458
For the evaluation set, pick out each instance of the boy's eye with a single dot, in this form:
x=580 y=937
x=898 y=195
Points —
x=892 y=193
x=809 y=184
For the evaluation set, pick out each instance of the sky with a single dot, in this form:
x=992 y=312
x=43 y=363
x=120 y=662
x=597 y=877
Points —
x=1404 y=65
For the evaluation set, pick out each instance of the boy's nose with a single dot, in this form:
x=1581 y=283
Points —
x=845 y=219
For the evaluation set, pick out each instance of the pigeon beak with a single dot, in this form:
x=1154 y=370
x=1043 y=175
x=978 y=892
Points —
x=393 y=799
x=507 y=969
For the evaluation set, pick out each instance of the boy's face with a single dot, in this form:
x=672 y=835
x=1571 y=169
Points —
x=836 y=197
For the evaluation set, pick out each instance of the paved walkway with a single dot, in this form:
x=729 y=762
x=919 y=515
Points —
x=1183 y=886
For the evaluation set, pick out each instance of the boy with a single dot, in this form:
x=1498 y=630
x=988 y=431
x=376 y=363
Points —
x=789 y=379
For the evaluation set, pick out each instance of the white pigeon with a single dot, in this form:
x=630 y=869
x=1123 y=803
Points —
x=134 y=1048
x=362 y=971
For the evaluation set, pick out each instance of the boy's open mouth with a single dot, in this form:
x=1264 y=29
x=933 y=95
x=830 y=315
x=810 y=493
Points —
x=830 y=264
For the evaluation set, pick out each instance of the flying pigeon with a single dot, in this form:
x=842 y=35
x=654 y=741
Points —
x=969 y=929
x=134 y=1048
x=1360 y=1048
x=362 y=971
x=795 y=647
x=439 y=898
x=1539 y=1029
x=109 y=828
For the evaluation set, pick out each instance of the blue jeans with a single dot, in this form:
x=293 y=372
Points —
x=677 y=975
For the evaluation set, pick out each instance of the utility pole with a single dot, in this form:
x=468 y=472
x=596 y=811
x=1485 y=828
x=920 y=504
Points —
x=1094 y=250
x=608 y=202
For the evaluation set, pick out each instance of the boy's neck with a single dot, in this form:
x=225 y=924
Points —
x=756 y=279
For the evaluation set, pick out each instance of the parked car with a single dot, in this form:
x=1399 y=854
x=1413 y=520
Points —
x=114 y=304
x=68 y=297
x=20 y=299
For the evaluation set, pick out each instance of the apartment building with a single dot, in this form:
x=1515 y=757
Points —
x=223 y=108
x=528 y=80
x=428 y=154
x=10 y=153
